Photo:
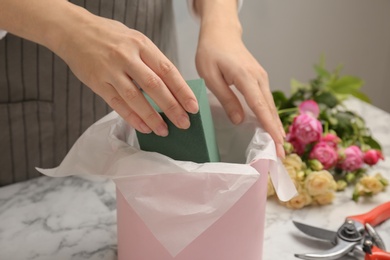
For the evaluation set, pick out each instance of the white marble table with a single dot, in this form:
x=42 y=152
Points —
x=72 y=218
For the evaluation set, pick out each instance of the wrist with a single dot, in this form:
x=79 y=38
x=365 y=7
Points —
x=222 y=30
x=40 y=21
x=60 y=32
x=205 y=8
x=218 y=16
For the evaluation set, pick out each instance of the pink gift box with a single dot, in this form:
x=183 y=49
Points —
x=236 y=235
x=180 y=210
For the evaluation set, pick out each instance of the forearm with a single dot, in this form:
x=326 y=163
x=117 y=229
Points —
x=218 y=14
x=43 y=21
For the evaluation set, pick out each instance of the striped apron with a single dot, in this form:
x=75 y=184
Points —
x=44 y=108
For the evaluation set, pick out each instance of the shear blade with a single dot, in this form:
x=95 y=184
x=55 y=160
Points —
x=342 y=248
x=375 y=237
x=316 y=232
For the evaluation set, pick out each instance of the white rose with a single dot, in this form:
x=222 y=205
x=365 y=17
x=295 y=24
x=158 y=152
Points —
x=371 y=184
x=319 y=182
x=324 y=199
x=293 y=160
x=299 y=201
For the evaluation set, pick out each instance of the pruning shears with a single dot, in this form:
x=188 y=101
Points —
x=356 y=237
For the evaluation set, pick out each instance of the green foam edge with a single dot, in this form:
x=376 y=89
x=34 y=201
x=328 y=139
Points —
x=196 y=144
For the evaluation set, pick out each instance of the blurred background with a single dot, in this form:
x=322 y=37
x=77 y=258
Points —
x=289 y=37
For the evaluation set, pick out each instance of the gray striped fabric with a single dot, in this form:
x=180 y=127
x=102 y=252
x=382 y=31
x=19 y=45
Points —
x=43 y=107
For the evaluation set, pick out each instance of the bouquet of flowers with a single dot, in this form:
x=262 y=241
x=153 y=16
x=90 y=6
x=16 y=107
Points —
x=328 y=147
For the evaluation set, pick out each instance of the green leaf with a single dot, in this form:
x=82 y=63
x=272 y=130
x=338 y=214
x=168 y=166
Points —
x=384 y=182
x=295 y=98
x=333 y=121
x=348 y=85
x=360 y=95
x=359 y=122
x=345 y=85
x=344 y=124
x=279 y=98
x=297 y=85
x=317 y=85
x=355 y=196
x=327 y=99
x=372 y=143
x=341 y=97
x=321 y=71
x=321 y=65
x=338 y=69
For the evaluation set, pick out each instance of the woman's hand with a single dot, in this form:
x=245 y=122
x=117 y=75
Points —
x=223 y=60
x=109 y=58
x=112 y=60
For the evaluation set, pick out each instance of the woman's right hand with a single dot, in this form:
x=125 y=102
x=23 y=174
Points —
x=109 y=57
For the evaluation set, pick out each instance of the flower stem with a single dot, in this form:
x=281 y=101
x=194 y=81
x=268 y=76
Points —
x=326 y=126
x=287 y=110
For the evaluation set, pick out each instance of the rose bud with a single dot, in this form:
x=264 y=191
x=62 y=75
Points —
x=309 y=107
x=288 y=147
x=371 y=157
x=316 y=165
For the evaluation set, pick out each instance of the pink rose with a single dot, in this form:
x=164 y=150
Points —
x=309 y=107
x=324 y=153
x=353 y=159
x=372 y=156
x=299 y=148
x=331 y=139
x=306 y=129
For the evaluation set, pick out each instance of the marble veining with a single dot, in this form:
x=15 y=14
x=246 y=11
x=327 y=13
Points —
x=64 y=218
x=73 y=218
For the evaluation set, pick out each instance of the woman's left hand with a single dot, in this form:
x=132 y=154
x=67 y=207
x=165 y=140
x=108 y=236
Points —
x=222 y=60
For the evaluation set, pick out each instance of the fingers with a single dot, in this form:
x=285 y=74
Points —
x=161 y=80
x=262 y=106
x=225 y=95
x=121 y=56
x=265 y=89
x=170 y=76
x=131 y=105
x=160 y=92
x=116 y=102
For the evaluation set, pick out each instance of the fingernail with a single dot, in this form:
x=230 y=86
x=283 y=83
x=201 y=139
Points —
x=192 y=106
x=183 y=122
x=280 y=151
x=236 y=118
x=162 y=130
x=144 y=128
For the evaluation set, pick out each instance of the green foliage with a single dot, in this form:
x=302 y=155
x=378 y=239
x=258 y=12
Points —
x=329 y=89
x=326 y=98
x=371 y=142
x=279 y=98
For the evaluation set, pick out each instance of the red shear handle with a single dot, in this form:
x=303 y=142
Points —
x=377 y=254
x=375 y=216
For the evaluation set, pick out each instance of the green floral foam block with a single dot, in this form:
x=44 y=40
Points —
x=197 y=143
